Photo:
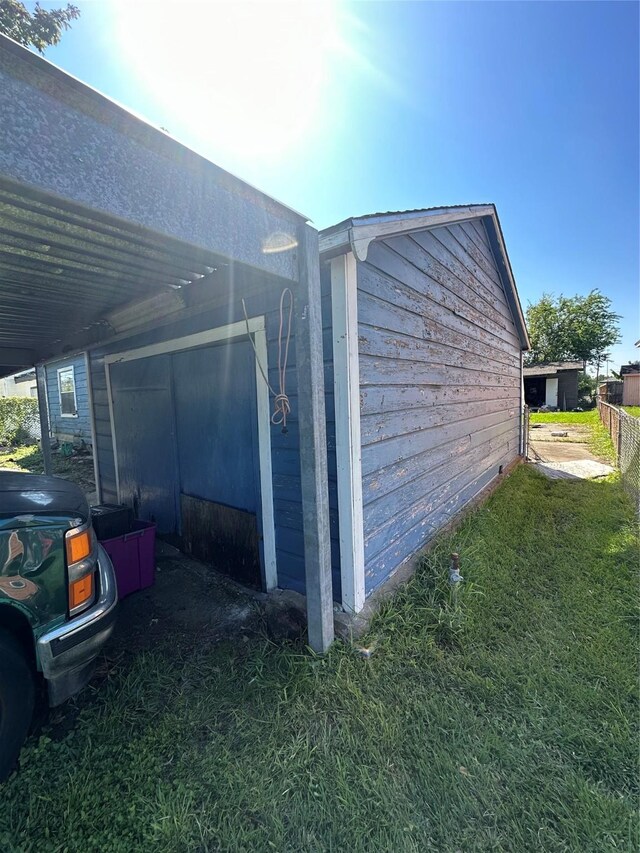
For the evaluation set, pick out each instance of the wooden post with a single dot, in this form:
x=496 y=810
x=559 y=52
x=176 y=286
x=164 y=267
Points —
x=45 y=444
x=313 y=443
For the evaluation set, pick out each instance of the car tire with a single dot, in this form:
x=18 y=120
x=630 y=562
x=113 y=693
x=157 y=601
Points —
x=17 y=694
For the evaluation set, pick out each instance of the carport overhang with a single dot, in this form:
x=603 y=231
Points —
x=106 y=222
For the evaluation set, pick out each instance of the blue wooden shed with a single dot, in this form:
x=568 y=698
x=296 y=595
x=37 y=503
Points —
x=427 y=338
x=208 y=310
x=68 y=400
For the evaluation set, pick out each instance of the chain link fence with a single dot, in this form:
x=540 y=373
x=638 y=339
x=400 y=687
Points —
x=624 y=430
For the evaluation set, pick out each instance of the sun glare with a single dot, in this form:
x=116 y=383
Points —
x=249 y=79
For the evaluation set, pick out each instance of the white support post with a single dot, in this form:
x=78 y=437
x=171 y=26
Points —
x=313 y=444
x=346 y=380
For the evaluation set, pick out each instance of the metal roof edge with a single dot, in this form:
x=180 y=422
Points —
x=154 y=135
x=356 y=233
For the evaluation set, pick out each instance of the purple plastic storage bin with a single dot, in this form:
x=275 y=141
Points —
x=134 y=557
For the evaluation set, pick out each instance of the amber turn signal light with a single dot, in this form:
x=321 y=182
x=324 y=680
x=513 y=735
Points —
x=78 y=546
x=80 y=591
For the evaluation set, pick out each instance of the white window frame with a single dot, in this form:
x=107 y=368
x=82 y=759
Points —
x=61 y=370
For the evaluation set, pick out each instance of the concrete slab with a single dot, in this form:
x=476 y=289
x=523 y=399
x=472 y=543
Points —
x=558 y=451
x=577 y=469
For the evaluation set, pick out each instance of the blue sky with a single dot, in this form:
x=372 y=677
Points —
x=344 y=109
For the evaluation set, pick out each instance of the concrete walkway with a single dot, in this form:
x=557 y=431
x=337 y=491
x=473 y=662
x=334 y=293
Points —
x=565 y=456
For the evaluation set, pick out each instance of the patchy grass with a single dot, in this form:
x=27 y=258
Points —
x=632 y=410
x=599 y=441
x=501 y=719
x=78 y=468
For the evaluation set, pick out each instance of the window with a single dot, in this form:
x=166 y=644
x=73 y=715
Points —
x=67 y=389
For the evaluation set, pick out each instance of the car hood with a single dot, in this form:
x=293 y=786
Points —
x=31 y=498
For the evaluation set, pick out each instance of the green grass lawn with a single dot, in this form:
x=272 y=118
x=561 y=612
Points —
x=590 y=417
x=599 y=440
x=633 y=410
x=506 y=720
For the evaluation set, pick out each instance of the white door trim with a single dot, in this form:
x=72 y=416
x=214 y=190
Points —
x=256 y=327
x=346 y=383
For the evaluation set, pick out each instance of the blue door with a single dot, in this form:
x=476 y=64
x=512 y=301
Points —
x=216 y=422
x=143 y=414
x=187 y=442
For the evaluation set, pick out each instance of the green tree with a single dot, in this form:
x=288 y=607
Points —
x=546 y=332
x=580 y=328
x=40 y=28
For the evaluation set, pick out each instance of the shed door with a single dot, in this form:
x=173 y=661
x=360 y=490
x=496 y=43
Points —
x=145 y=439
x=217 y=431
x=215 y=398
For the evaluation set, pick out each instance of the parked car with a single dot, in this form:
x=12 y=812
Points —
x=58 y=599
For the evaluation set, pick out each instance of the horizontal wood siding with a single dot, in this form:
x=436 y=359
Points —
x=78 y=428
x=284 y=446
x=439 y=386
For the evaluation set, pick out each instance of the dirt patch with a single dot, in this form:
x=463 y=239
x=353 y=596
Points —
x=78 y=467
x=190 y=601
x=187 y=599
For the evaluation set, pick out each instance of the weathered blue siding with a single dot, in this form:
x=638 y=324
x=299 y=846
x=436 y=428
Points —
x=69 y=428
x=439 y=382
x=285 y=447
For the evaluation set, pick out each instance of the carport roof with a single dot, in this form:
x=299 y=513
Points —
x=98 y=210
x=63 y=270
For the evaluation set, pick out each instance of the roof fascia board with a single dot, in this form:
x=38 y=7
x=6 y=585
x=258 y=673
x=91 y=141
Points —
x=496 y=241
x=363 y=231
x=360 y=232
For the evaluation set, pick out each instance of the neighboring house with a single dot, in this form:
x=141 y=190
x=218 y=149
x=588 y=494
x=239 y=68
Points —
x=67 y=400
x=427 y=338
x=404 y=370
x=553 y=385
x=19 y=385
x=630 y=374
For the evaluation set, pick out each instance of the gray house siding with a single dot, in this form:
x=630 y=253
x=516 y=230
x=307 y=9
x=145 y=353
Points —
x=285 y=448
x=439 y=385
x=65 y=427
